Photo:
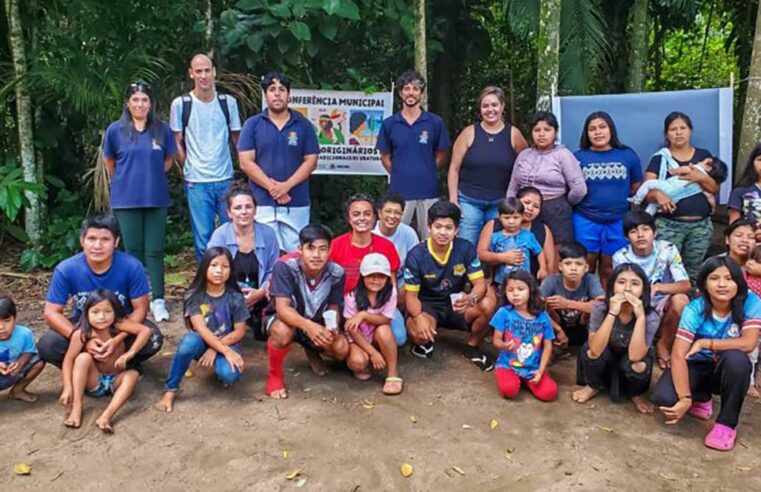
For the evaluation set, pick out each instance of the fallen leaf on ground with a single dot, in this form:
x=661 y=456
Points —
x=406 y=470
x=22 y=469
x=413 y=419
x=368 y=406
x=605 y=429
x=188 y=373
x=301 y=482
x=285 y=454
x=293 y=474
x=458 y=470
x=742 y=468
x=667 y=477
x=166 y=354
x=466 y=426
x=493 y=424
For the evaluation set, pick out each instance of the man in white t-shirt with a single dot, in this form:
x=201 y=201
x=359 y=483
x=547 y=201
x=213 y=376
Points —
x=204 y=124
x=389 y=225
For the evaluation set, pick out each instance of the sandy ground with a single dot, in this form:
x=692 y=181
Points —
x=344 y=435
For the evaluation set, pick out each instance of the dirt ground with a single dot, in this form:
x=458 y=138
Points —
x=344 y=435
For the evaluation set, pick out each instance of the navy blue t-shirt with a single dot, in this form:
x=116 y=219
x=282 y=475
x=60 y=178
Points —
x=73 y=278
x=279 y=153
x=139 y=179
x=413 y=153
x=609 y=176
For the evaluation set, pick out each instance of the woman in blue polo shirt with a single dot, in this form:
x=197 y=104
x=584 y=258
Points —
x=254 y=249
x=138 y=150
x=612 y=172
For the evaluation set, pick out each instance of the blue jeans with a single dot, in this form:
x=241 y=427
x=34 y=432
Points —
x=399 y=328
x=192 y=347
x=475 y=214
x=205 y=200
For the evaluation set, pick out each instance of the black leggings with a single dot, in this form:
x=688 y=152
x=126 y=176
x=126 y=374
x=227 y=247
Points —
x=52 y=346
x=729 y=377
x=613 y=371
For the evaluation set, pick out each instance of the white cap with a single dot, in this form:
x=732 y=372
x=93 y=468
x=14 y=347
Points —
x=375 y=263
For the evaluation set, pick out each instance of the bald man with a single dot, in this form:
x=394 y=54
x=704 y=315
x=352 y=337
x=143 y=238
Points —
x=204 y=123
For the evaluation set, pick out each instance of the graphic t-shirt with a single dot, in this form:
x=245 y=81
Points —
x=523 y=240
x=662 y=266
x=349 y=256
x=219 y=313
x=528 y=336
x=609 y=176
x=435 y=278
x=747 y=201
x=589 y=288
x=694 y=326
x=309 y=296
x=73 y=278
x=20 y=342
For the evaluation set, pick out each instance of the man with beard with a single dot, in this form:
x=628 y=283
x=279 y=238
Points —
x=413 y=144
x=278 y=151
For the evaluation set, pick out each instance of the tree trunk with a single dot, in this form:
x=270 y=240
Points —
x=209 y=34
x=548 y=51
x=32 y=174
x=421 y=60
x=750 y=131
x=638 y=39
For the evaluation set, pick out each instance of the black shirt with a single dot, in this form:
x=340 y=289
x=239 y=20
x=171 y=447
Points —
x=246 y=269
x=695 y=205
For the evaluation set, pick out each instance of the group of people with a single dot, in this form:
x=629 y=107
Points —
x=537 y=248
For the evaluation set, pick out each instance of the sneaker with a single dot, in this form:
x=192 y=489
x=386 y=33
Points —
x=159 y=311
x=424 y=351
x=480 y=359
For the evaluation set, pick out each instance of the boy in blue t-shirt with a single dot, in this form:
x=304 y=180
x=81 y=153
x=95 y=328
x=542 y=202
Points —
x=514 y=237
x=19 y=363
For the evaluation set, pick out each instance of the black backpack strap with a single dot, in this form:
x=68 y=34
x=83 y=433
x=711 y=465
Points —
x=187 y=106
x=223 y=104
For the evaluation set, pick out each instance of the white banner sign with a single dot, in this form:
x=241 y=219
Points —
x=347 y=126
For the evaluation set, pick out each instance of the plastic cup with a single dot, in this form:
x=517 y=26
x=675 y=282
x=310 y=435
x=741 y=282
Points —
x=331 y=320
x=455 y=297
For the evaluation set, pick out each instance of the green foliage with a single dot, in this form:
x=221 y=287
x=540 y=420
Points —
x=12 y=199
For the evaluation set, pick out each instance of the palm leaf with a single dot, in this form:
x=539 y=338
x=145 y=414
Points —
x=583 y=44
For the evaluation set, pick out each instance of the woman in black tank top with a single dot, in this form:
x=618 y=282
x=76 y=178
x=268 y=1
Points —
x=482 y=162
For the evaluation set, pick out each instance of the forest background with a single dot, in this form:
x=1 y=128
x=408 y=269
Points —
x=64 y=65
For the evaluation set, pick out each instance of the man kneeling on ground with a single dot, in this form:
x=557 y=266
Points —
x=435 y=274
x=306 y=291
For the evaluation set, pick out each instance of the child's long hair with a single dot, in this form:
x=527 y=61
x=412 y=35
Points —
x=535 y=299
x=711 y=265
x=363 y=301
x=639 y=272
x=755 y=255
x=96 y=296
x=198 y=285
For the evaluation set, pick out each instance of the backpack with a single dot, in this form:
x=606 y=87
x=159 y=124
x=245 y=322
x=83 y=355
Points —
x=187 y=107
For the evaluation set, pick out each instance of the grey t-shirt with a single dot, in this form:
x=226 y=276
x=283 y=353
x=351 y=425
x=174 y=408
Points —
x=652 y=322
x=404 y=239
x=207 y=139
x=589 y=288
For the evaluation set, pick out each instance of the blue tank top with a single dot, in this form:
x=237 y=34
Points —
x=488 y=164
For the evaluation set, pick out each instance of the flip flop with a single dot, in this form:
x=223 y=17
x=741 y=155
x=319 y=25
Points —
x=721 y=438
x=663 y=363
x=393 y=386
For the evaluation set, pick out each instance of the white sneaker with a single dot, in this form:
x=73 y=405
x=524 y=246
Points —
x=159 y=311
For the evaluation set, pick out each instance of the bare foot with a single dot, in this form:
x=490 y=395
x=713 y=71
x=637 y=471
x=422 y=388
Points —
x=74 y=421
x=23 y=395
x=753 y=391
x=104 y=424
x=643 y=404
x=584 y=394
x=316 y=362
x=166 y=403
x=279 y=394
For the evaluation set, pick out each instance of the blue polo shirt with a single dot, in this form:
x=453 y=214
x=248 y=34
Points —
x=279 y=153
x=139 y=179
x=413 y=153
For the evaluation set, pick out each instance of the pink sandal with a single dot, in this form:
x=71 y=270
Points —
x=721 y=438
x=701 y=410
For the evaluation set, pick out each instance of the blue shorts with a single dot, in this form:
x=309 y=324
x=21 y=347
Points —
x=105 y=386
x=597 y=237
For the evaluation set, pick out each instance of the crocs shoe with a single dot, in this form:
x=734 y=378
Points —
x=701 y=410
x=721 y=437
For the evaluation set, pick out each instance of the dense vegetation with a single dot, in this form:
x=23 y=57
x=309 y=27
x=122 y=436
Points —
x=80 y=54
